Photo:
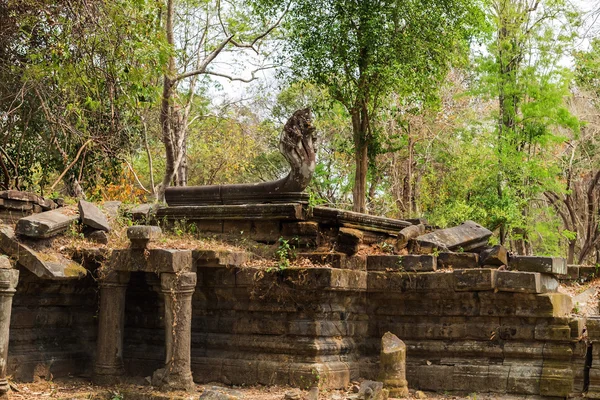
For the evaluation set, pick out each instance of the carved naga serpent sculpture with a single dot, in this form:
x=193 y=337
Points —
x=296 y=143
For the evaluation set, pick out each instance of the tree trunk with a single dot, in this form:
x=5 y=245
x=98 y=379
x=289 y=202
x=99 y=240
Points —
x=361 y=158
x=571 y=251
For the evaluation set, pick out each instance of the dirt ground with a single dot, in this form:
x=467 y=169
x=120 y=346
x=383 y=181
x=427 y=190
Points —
x=80 y=389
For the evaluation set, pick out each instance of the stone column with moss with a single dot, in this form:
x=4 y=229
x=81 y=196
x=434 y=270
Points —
x=392 y=370
x=178 y=289
x=111 y=326
x=8 y=283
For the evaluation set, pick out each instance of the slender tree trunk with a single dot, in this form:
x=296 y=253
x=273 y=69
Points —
x=361 y=158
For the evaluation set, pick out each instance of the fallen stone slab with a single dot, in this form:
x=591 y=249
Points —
x=547 y=265
x=408 y=233
x=467 y=236
x=47 y=224
x=45 y=266
x=525 y=282
x=410 y=263
x=496 y=255
x=92 y=216
x=358 y=220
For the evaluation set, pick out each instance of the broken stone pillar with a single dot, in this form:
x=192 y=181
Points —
x=178 y=290
x=8 y=283
x=111 y=326
x=392 y=368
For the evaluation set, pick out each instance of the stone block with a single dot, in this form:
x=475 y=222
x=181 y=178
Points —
x=220 y=258
x=471 y=378
x=92 y=216
x=237 y=227
x=556 y=380
x=46 y=224
x=496 y=255
x=141 y=235
x=336 y=260
x=273 y=373
x=525 y=282
x=524 y=305
x=303 y=228
x=577 y=325
x=416 y=263
x=161 y=260
x=457 y=260
x=474 y=279
x=265 y=231
x=469 y=235
x=524 y=379
x=572 y=272
x=547 y=265
x=545 y=331
x=516 y=328
x=498 y=378
x=239 y=372
x=433 y=377
x=593 y=328
x=349 y=240
x=521 y=282
x=407 y=234
x=326 y=278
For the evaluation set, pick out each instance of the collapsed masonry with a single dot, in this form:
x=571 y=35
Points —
x=206 y=315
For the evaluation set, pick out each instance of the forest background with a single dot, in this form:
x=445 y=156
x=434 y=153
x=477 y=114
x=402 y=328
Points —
x=440 y=109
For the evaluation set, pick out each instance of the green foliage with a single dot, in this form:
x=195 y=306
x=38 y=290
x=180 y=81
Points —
x=75 y=74
x=284 y=253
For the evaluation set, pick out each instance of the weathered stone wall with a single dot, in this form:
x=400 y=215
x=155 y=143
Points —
x=467 y=329
x=296 y=326
x=476 y=339
x=53 y=327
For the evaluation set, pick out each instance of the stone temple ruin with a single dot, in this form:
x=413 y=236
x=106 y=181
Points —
x=470 y=318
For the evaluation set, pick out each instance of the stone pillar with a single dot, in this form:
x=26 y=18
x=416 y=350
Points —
x=392 y=366
x=111 y=326
x=178 y=290
x=8 y=282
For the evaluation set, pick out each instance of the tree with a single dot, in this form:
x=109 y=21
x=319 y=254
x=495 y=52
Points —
x=363 y=50
x=521 y=70
x=576 y=202
x=74 y=76
x=204 y=34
